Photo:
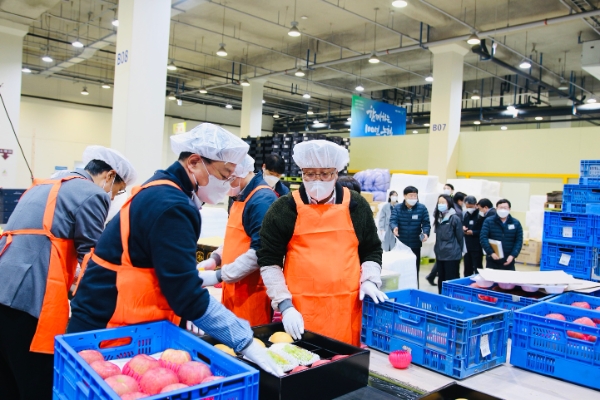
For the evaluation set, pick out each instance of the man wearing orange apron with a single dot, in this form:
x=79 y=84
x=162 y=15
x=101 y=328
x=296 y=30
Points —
x=328 y=237
x=144 y=266
x=55 y=225
x=243 y=290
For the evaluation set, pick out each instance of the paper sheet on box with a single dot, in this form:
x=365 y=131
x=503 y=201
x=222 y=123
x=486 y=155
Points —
x=527 y=278
x=584 y=286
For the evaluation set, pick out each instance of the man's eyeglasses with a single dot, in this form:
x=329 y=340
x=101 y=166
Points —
x=324 y=176
x=120 y=192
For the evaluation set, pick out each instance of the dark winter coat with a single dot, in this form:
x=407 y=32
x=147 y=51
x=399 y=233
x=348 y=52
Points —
x=449 y=238
x=411 y=222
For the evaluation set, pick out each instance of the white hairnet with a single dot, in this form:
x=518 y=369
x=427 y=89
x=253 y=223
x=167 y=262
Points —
x=116 y=160
x=245 y=167
x=320 y=154
x=211 y=141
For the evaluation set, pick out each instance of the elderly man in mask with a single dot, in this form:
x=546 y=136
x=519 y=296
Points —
x=55 y=226
x=328 y=238
x=243 y=292
x=144 y=267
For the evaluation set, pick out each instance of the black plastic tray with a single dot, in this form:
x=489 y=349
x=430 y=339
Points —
x=326 y=381
x=455 y=391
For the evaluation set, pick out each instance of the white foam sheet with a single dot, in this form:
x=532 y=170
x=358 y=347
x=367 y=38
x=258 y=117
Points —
x=424 y=183
x=527 y=278
x=534 y=219
x=536 y=232
x=214 y=221
x=536 y=202
x=480 y=188
x=402 y=260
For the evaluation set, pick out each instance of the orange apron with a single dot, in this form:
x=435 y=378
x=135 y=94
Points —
x=139 y=298
x=247 y=298
x=54 y=314
x=322 y=269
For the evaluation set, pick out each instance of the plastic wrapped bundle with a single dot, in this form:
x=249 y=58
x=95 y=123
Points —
x=286 y=362
x=302 y=356
x=424 y=183
x=379 y=196
x=381 y=180
x=537 y=202
x=401 y=259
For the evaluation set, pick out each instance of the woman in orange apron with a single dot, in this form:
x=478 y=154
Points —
x=328 y=237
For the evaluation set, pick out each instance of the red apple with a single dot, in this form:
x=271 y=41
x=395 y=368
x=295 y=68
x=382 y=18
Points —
x=172 y=387
x=338 y=357
x=299 y=368
x=122 y=384
x=320 y=362
x=155 y=379
x=133 y=396
x=173 y=359
x=576 y=335
x=597 y=320
x=212 y=378
x=585 y=321
x=474 y=285
x=193 y=372
x=138 y=365
x=105 y=368
x=581 y=304
x=91 y=355
x=556 y=316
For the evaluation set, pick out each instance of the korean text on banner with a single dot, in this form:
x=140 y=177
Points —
x=374 y=118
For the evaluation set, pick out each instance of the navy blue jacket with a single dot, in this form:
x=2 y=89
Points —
x=474 y=222
x=410 y=223
x=509 y=233
x=164 y=230
x=256 y=208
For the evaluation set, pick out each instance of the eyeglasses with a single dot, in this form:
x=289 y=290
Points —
x=324 y=176
x=229 y=180
x=120 y=192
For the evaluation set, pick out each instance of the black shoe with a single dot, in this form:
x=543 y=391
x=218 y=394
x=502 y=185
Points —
x=431 y=280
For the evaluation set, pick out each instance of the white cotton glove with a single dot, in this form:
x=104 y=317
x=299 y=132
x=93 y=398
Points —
x=370 y=289
x=258 y=355
x=207 y=265
x=293 y=323
x=209 y=278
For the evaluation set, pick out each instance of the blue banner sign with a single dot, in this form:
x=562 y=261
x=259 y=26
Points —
x=375 y=118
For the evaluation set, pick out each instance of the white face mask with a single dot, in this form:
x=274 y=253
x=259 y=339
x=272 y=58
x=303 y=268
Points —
x=411 y=202
x=214 y=191
x=447 y=192
x=503 y=213
x=394 y=198
x=234 y=191
x=270 y=179
x=319 y=190
x=109 y=192
x=471 y=210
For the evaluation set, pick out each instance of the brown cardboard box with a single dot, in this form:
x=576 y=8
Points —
x=375 y=207
x=530 y=253
x=368 y=196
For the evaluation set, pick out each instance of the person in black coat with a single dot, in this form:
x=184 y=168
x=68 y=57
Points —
x=449 y=240
x=472 y=226
x=506 y=229
x=410 y=223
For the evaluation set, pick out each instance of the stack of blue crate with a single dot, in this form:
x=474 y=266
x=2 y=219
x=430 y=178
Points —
x=571 y=239
x=8 y=201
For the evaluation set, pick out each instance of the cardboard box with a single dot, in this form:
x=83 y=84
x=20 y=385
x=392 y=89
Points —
x=368 y=196
x=530 y=253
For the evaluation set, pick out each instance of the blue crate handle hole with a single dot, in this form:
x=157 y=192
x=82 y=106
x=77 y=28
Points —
x=114 y=343
x=565 y=250
x=203 y=358
x=405 y=316
x=568 y=219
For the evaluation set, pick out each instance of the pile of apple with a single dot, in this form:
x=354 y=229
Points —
x=582 y=321
x=301 y=368
x=144 y=376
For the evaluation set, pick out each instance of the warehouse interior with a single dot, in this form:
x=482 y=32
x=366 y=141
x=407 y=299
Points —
x=513 y=83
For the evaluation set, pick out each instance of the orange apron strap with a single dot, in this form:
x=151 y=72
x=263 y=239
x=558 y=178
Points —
x=52 y=196
x=84 y=265
x=297 y=198
x=9 y=235
x=347 y=196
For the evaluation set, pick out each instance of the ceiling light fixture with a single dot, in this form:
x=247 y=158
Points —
x=245 y=83
x=473 y=39
x=47 y=58
x=510 y=108
x=105 y=86
x=316 y=121
x=294 y=31
x=539 y=118
x=84 y=91
x=203 y=90
x=172 y=96
x=563 y=87
x=374 y=59
x=304 y=17
x=475 y=95
x=349 y=119
x=503 y=127
x=415 y=131
x=429 y=78
x=310 y=111
x=306 y=95
x=171 y=66
x=25 y=70
x=525 y=64
x=77 y=44
x=179 y=102
x=591 y=100
x=263 y=101
x=299 y=72
x=276 y=115
x=359 y=88
x=115 y=22
x=477 y=122
x=399 y=3
x=229 y=106
x=222 y=52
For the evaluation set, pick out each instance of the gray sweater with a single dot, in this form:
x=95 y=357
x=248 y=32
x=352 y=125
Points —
x=81 y=210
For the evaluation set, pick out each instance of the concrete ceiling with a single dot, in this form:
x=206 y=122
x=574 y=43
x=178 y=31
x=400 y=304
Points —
x=255 y=35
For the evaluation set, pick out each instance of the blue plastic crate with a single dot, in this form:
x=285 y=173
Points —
x=75 y=379
x=444 y=334
x=589 y=169
x=576 y=197
x=581 y=261
x=589 y=181
x=460 y=289
x=571 y=228
x=570 y=297
x=542 y=345
x=592 y=209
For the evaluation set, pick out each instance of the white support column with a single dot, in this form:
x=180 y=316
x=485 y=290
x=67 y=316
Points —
x=445 y=110
x=140 y=83
x=252 y=96
x=13 y=171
